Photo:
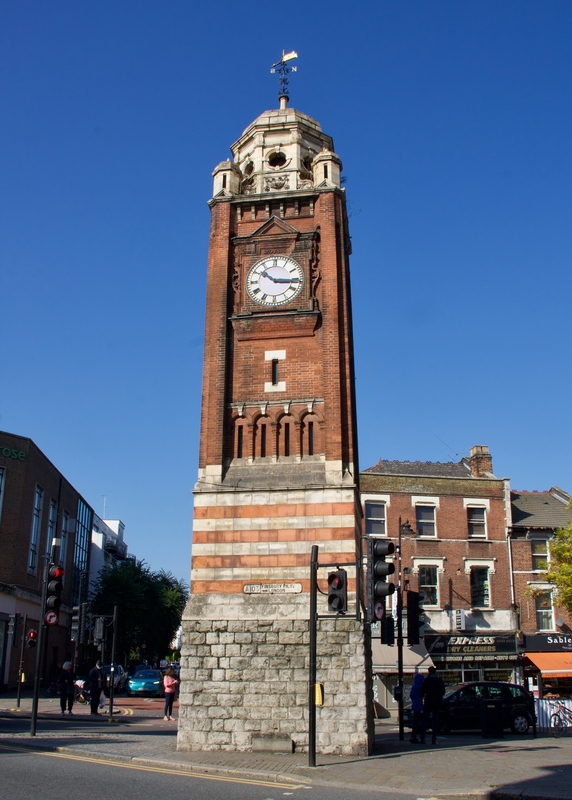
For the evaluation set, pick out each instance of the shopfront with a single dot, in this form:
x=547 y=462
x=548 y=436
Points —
x=474 y=657
x=386 y=678
x=548 y=664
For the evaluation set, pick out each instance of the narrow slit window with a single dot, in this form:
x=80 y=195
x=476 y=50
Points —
x=310 y=438
x=325 y=171
x=239 y=441
x=287 y=439
x=224 y=181
x=274 y=372
x=263 y=441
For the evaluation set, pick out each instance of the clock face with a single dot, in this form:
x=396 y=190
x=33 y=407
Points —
x=275 y=280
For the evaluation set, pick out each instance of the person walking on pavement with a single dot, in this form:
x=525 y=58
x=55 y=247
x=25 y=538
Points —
x=97 y=682
x=432 y=689
x=417 y=708
x=66 y=684
x=170 y=684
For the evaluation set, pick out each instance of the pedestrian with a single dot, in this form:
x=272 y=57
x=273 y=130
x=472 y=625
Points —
x=97 y=683
x=170 y=684
x=417 y=707
x=432 y=690
x=66 y=684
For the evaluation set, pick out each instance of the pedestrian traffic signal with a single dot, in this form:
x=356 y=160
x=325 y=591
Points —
x=55 y=586
x=378 y=569
x=32 y=638
x=79 y=624
x=338 y=591
x=415 y=616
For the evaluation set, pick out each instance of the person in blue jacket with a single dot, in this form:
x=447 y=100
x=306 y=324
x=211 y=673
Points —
x=417 y=708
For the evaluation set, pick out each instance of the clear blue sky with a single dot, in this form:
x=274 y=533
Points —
x=453 y=122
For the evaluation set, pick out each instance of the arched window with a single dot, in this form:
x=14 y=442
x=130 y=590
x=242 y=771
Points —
x=286 y=437
x=311 y=444
x=261 y=442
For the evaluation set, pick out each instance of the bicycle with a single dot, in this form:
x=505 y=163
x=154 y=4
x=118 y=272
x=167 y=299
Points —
x=560 y=719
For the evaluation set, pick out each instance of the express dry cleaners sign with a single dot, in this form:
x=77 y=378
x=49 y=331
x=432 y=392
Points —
x=9 y=452
x=471 y=648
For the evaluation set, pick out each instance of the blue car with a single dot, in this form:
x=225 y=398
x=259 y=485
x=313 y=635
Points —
x=146 y=681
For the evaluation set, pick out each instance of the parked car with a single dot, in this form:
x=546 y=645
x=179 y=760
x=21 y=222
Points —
x=119 y=677
x=146 y=681
x=462 y=703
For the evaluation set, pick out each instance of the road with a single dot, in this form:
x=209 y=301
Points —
x=53 y=776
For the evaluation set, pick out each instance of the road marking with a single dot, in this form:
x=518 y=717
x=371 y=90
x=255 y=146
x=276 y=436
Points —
x=143 y=768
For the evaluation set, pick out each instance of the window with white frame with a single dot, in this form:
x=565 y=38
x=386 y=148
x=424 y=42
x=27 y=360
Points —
x=539 y=552
x=476 y=520
x=544 y=611
x=36 y=527
x=429 y=584
x=375 y=519
x=425 y=520
x=480 y=588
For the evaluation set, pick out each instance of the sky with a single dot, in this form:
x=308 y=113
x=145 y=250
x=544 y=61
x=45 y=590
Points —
x=453 y=123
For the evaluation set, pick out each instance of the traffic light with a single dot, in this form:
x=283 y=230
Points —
x=98 y=630
x=377 y=586
x=338 y=591
x=76 y=611
x=415 y=616
x=83 y=623
x=32 y=638
x=13 y=625
x=55 y=586
x=388 y=630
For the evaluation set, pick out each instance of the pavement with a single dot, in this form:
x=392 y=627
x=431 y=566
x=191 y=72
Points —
x=459 y=766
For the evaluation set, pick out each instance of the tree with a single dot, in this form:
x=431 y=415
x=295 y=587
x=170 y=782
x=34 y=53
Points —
x=560 y=567
x=150 y=605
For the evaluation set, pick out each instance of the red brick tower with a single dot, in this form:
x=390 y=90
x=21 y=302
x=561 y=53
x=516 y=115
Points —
x=278 y=465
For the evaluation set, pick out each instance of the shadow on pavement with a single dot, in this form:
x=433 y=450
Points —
x=556 y=783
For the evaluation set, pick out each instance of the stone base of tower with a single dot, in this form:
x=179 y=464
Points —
x=244 y=677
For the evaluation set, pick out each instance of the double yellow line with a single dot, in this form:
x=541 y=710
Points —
x=143 y=768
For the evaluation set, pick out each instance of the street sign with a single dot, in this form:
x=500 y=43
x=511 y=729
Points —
x=51 y=618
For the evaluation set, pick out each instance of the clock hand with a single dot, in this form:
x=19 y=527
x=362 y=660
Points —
x=267 y=275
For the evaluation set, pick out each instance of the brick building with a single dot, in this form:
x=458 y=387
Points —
x=37 y=506
x=458 y=559
x=546 y=629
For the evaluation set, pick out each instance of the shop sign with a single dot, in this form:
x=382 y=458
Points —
x=548 y=642
x=478 y=647
x=9 y=452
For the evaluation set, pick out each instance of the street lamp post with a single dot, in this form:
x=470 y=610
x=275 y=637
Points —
x=404 y=528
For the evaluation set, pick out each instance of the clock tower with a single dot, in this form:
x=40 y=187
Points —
x=278 y=459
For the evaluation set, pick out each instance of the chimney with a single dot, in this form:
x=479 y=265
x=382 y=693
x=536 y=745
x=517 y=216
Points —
x=481 y=461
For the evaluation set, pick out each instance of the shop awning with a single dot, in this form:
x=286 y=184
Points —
x=553 y=665
x=384 y=657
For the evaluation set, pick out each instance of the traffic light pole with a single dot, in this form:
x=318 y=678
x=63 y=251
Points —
x=21 y=667
x=313 y=652
x=41 y=628
x=113 y=641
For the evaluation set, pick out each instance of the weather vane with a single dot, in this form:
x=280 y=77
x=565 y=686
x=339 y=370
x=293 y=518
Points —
x=282 y=68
